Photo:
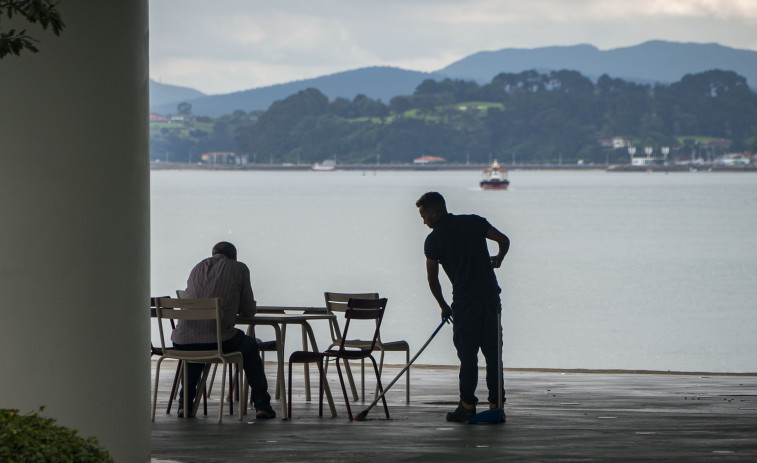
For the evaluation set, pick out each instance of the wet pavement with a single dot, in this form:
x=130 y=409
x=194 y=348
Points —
x=551 y=416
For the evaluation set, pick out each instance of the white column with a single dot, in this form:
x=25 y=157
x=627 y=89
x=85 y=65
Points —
x=74 y=226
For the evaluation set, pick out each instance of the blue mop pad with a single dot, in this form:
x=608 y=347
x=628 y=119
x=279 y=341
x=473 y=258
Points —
x=493 y=415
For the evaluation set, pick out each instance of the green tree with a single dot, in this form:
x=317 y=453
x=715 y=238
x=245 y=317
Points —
x=342 y=107
x=399 y=105
x=541 y=118
x=184 y=109
x=278 y=132
x=44 y=12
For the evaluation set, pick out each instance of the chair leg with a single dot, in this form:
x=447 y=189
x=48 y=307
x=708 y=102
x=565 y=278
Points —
x=240 y=378
x=175 y=390
x=306 y=372
x=204 y=401
x=344 y=389
x=380 y=369
x=381 y=388
x=155 y=393
x=407 y=376
x=349 y=374
x=289 y=392
x=277 y=394
x=174 y=386
x=348 y=370
x=362 y=379
x=235 y=368
x=223 y=387
x=245 y=394
x=212 y=380
x=231 y=389
x=279 y=379
x=187 y=412
x=321 y=379
x=200 y=387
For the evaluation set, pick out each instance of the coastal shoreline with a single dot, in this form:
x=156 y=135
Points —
x=452 y=167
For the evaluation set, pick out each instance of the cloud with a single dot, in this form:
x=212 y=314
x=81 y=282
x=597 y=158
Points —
x=245 y=30
x=216 y=76
x=484 y=12
x=721 y=9
x=231 y=45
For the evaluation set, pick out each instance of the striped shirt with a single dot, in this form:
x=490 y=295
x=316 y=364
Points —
x=217 y=276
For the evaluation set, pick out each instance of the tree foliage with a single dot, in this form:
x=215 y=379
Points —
x=527 y=117
x=32 y=438
x=42 y=12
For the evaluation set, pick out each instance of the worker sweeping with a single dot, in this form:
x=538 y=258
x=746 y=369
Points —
x=459 y=244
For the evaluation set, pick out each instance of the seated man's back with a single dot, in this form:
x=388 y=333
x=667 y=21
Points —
x=221 y=275
x=217 y=276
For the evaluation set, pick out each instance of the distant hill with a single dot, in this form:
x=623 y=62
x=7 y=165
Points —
x=655 y=61
x=164 y=94
x=382 y=83
x=649 y=62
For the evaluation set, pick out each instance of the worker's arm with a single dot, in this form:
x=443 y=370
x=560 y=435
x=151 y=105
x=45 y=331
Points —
x=504 y=245
x=432 y=273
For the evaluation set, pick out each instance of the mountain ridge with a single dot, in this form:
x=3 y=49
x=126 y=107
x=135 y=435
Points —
x=654 y=61
x=651 y=61
x=376 y=82
x=161 y=94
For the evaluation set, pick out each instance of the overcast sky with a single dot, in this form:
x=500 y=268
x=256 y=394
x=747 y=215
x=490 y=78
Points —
x=223 y=46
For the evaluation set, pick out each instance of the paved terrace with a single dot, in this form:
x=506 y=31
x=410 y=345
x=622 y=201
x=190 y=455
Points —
x=551 y=416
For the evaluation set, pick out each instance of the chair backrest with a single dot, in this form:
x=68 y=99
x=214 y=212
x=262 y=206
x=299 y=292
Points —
x=189 y=309
x=364 y=309
x=337 y=302
x=155 y=350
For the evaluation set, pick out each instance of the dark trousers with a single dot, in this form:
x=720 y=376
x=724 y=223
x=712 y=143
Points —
x=476 y=326
x=253 y=369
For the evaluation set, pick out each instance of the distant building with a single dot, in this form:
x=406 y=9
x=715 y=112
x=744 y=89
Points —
x=223 y=157
x=428 y=159
x=734 y=159
x=158 y=118
x=647 y=161
x=615 y=143
x=471 y=108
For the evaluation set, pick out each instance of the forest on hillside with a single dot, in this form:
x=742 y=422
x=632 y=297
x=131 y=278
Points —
x=528 y=117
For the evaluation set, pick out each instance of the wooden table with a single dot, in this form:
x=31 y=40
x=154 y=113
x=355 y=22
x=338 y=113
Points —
x=279 y=317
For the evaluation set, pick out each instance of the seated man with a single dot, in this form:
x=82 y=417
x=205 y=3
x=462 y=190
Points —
x=222 y=276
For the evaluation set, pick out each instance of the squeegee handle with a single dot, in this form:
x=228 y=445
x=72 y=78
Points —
x=375 y=401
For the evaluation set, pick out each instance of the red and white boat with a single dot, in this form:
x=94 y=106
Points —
x=494 y=178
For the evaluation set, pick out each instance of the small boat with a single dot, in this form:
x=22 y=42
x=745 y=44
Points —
x=494 y=178
x=327 y=165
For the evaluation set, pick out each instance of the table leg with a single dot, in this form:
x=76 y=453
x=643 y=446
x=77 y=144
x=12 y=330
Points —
x=280 y=392
x=326 y=387
x=280 y=373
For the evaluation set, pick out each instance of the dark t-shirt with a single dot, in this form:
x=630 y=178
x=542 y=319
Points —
x=458 y=243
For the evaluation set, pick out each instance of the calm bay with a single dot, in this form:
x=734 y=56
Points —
x=606 y=270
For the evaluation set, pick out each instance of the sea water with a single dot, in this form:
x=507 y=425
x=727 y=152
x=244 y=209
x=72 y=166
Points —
x=606 y=270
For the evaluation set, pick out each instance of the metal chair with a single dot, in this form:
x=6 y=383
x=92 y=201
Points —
x=188 y=310
x=174 y=386
x=182 y=294
x=337 y=302
x=361 y=310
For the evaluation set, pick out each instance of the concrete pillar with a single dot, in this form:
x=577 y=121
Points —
x=74 y=226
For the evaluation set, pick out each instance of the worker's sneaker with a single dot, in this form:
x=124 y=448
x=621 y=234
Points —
x=462 y=413
x=265 y=413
